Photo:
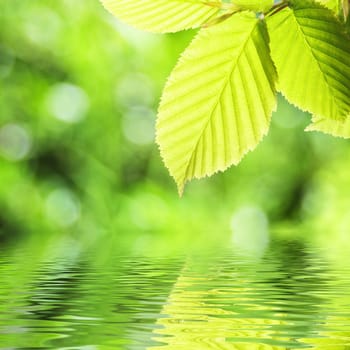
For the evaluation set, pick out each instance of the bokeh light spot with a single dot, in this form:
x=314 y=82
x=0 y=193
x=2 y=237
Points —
x=67 y=102
x=135 y=89
x=141 y=41
x=15 y=142
x=250 y=230
x=62 y=207
x=42 y=26
x=138 y=125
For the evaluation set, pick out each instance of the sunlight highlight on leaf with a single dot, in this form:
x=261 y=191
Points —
x=164 y=16
x=333 y=5
x=217 y=103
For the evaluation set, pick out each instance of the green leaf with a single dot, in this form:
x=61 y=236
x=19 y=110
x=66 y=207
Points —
x=217 y=103
x=330 y=126
x=164 y=16
x=333 y=5
x=312 y=53
x=254 y=5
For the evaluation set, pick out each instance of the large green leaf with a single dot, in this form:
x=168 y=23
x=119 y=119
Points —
x=164 y=16
x=329 y=126
x=312 y=54
x=217 y=103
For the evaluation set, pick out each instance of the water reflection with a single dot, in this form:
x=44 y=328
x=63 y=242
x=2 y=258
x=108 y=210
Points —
x=289 y=298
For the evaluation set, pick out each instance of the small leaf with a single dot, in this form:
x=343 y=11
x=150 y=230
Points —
x=217 y=103
x=329 y=126
x=312 y=53
x=164 y=16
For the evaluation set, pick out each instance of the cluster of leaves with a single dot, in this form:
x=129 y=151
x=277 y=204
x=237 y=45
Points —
x=217 y=103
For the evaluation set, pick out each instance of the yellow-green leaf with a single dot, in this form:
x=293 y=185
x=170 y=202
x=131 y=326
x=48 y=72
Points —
x=164 y=16
x=254 y=5
x=312 y=54
x=329 y=126
x=333 y=5
x=217 y=103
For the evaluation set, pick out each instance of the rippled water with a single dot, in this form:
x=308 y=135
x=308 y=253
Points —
x=289 y=298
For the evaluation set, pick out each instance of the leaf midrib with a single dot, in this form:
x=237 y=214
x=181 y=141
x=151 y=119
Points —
x=225 y=83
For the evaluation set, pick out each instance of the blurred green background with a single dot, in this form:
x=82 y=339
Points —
x=78 y=162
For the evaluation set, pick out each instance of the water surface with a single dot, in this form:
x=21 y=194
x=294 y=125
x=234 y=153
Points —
x=291 y=297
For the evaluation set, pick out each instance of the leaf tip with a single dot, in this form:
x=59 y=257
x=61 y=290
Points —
x=180 y=189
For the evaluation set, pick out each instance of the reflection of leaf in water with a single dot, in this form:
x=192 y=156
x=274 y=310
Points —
x=335 y=336
x=196 y=319
x=217 y=305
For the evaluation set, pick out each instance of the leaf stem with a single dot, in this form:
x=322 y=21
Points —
x=276 y=8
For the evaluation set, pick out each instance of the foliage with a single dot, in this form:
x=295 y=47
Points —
x=218 y=101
